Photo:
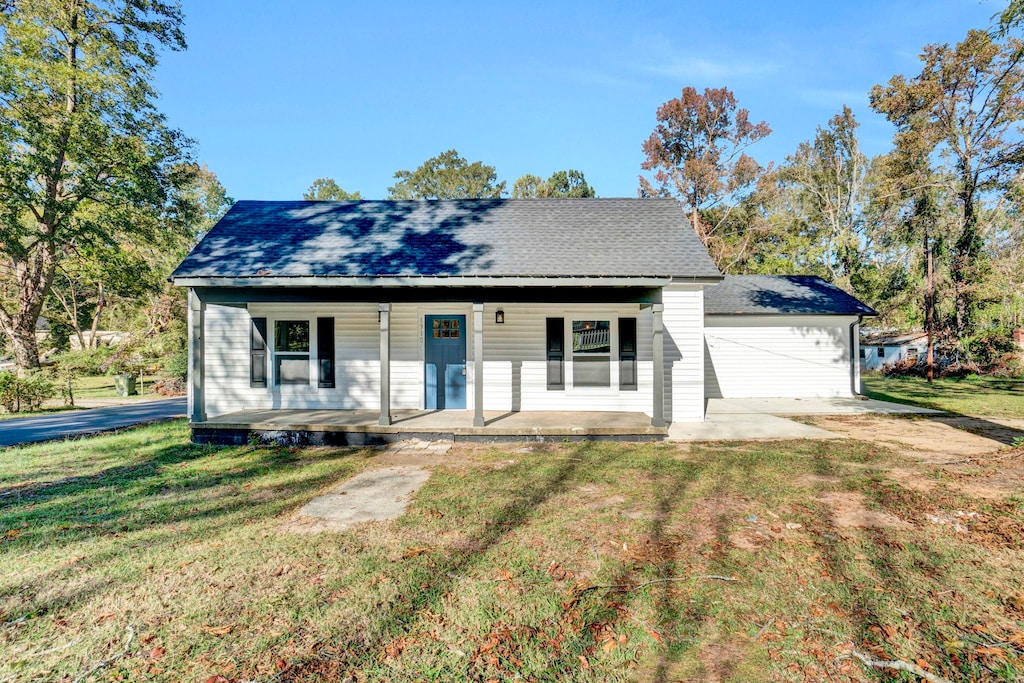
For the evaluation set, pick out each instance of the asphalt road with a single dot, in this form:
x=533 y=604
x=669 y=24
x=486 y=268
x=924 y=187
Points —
x=78 y=422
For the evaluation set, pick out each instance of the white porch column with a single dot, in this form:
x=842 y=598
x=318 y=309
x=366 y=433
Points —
x=384 y=313
x=658 y=408
x=478 y=365
x=196 y=316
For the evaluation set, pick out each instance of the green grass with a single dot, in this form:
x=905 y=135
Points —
x=102 y=386
x=974 y=395
x=510 y=562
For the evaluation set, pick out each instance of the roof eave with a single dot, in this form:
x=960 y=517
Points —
x=648 y=281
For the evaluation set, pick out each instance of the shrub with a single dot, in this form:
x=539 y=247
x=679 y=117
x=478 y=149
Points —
x=995 y=353
x=25 y=393
x=176 y=365
x=85 y=361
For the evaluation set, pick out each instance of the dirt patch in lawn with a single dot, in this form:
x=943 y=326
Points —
x=930 y=440
x=848 y=511
x=972 y=453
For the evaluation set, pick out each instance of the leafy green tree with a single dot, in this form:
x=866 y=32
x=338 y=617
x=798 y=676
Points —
x=963 y=113
x=698 y=154
x=527 y=187
x=829 y=176
x=570 y=183
x=326 y=189
x=448 y=176
x=85 y=156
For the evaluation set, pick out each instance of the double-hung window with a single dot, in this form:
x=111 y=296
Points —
x=591 y=353
x=291 y=352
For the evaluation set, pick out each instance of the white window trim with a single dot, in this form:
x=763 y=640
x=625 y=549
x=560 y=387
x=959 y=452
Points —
x=613 y=356
x=273 y=317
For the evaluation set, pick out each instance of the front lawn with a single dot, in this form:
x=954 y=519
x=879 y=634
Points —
x=138 y=556
x=974 y=395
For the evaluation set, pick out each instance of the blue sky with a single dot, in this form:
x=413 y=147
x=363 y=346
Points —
x=357 y=90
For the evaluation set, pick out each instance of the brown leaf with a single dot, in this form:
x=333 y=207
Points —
x=283 y=569
x=489 y=645
x=104 y=616
x=281 y=663
x=156 y=653
x=584 y=663
x=216 y=679
x=654 y=634
x=217 y=630
x=415 y=551
x=609 y=645
x=504 y=575
x=990 y=651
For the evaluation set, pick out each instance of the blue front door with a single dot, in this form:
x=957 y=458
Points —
x=444 y=362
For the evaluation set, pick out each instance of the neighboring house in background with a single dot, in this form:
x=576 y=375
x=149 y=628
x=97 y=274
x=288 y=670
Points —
x=878 y=349
x=495 y=305
x=103 y=338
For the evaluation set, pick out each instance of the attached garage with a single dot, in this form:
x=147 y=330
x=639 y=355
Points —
x=780 y=337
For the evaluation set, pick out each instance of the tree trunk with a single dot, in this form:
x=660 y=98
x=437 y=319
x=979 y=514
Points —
x=23 y=340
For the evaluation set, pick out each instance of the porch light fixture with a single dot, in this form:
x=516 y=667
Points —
x=499 y=317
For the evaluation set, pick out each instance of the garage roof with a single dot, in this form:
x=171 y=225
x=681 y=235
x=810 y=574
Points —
x=780 y=295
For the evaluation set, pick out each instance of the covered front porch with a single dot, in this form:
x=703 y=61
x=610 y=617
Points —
x=362 y=427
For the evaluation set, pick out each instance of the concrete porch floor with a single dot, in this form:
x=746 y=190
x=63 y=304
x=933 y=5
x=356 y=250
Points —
x=360 y=426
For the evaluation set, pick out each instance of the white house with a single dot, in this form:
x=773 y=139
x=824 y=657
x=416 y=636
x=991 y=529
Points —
x=886 y=348
x=495 y=305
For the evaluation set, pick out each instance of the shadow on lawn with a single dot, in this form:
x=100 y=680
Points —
x=924 y=396
x=426 y=588
x=159 y=499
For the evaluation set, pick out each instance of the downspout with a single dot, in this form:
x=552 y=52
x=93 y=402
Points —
x=855 y=357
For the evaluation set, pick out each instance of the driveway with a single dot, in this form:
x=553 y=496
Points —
x=739 y=419
x=79 y=422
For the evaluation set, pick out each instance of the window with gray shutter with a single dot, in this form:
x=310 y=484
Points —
x=325 y=352
x=627 y=354
x=258 y=353
x=556 y=353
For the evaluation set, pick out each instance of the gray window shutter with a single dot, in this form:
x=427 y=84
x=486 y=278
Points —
x=627 y=354
x=556 y=353
x=258 y=353
x=325 y=352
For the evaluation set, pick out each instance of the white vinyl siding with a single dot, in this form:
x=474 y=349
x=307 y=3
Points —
x=356 y=349
x=515 y=348
x=749 y=356
x=518 y=347
x=684 y=356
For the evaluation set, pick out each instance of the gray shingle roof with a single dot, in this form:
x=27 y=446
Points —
x=467 y=238
x=780 y=295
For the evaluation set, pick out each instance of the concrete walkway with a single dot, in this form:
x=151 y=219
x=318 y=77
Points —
x=739 y=419
x=80 y=422
x=812 y=406
x=742 y=427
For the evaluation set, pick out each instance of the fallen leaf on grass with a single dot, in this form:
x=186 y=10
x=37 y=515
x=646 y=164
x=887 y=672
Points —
x=216 y=679
x=584 y=663
x=415 y=551
x=283 y=569
x=156 y=653
x=654 y=634
x=104 y=616
x=990 y=651
x=217 y=630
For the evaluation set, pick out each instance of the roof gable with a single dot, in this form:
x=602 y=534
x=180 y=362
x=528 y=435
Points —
x=449 y=238
x=780 y=295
